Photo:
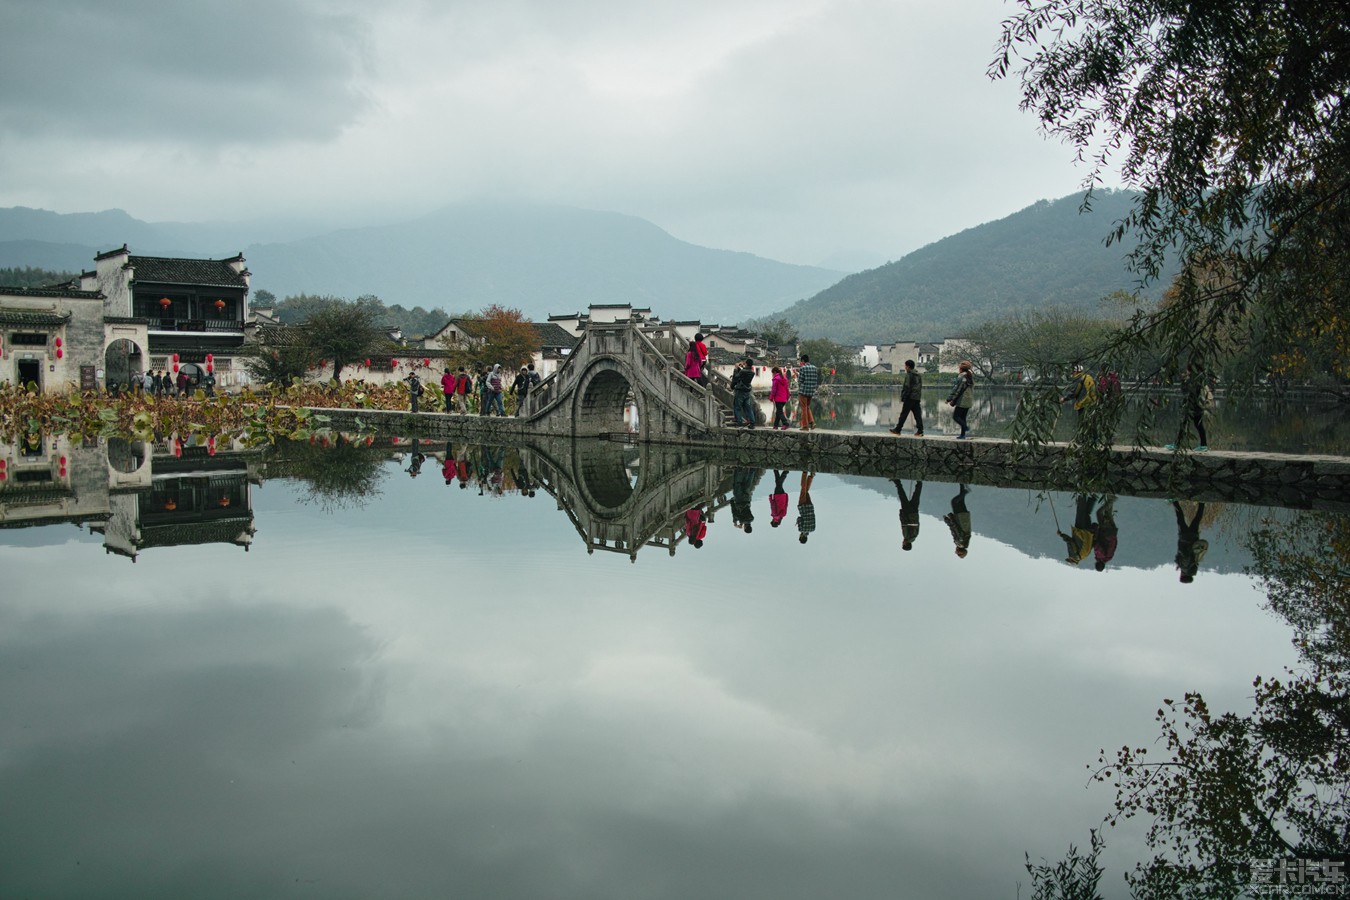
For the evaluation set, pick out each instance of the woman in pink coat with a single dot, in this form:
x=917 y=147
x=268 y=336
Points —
x=778 y=393
x=693 y=365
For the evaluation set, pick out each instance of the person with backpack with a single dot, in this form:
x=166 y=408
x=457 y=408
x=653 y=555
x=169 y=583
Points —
x=1082 y=391
x=447 y=387
x=495 y=386
x=911 y=395
x=414 y=390
x=526 y=379
x=462 y=384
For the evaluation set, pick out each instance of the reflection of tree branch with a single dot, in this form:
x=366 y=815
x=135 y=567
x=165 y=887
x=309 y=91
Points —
x=340 y=476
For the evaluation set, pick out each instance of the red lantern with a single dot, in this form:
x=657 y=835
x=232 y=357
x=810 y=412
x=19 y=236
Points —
x=219 y=305
x=210 y=357
x=210 y=368
x=165 y=303
x=58 y=342
x=427 y=361
x=175 y=368
x=367 y=364
x=63 y=462
x=393 y=363
x=175 y=357
x=59 y=353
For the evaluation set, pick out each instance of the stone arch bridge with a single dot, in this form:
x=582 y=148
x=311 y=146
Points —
x=614 y=364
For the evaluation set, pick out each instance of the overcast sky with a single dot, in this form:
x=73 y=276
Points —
x=794 y=129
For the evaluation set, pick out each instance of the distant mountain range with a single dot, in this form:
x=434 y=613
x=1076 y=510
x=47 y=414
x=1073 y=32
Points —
x=540 y=259
x=1045 y=255
x=550 y=259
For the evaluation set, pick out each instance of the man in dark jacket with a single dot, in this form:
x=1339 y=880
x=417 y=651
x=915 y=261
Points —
x=911 y=395
x=742 y=406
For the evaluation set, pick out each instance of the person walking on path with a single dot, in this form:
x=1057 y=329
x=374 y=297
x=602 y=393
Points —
x=962 y=396
x=495 y=386
x=462 y=385
x=1191 y=548
x=806 y=510
x=1082 y=391
x=526 y=381
x=909 y=513
x=958 y=521
x=1196 y=397
x=778 y=500
x=778 y=395
x=742 y=406
x=447 y=387
x=1104 y=539
x=911 y=400
x=808 y=379
x=1083 y=535
x=702 y=350
x=414 y=390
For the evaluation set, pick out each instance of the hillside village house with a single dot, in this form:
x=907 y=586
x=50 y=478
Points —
x=130 y=314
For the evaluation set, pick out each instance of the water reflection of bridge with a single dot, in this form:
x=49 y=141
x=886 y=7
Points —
x=621 y=498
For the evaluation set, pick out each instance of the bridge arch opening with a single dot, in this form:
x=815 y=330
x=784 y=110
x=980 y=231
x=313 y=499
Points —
x=607 y=402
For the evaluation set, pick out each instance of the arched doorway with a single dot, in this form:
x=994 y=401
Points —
x=122 y=362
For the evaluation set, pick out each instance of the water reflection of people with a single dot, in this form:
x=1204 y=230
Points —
x=694 y=526
x=806 y=510
x=778 y=500
x=742 y=487
x=418 y=457
x=958 y=520
x=1104 y=541
x=909 y=513
x=1083 y=535
x=448 y=466
x=1191 y=547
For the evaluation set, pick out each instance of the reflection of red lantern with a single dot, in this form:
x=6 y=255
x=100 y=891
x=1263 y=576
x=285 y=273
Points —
x=60 y=353
x=210 y=368
x=170 y=505
x=224 y=501
x=165 y=303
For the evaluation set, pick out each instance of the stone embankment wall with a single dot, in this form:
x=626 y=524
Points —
x=1274 y=479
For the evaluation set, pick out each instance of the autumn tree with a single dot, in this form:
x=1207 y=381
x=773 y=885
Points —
x=496 y=335
x=1229 y=118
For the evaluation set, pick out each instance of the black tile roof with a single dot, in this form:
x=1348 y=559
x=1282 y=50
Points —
x=552 y=335
x=60 y=291
x=211 y=272
x=28 y=317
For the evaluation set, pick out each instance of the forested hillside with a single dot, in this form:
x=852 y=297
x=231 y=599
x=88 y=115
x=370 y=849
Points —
x=1045 y=255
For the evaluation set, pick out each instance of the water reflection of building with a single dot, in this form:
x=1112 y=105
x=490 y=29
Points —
x=136 y=498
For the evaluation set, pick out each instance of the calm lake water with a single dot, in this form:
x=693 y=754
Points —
x=357 y=673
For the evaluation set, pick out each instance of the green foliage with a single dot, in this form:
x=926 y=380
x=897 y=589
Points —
x=412 y=322
x=263 y=299
x=826 y=355
x=502 y=335
x=775 y=331
x=1229 y=117
x=1075 y=877
x=1273 y=784
x=30 y=277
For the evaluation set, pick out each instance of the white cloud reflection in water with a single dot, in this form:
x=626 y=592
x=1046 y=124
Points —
x=442 y=695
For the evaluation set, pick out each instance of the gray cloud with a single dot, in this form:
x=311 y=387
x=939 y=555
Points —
x=184 y=73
